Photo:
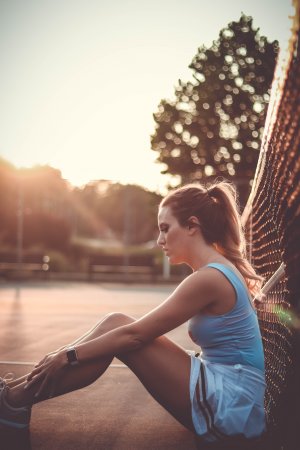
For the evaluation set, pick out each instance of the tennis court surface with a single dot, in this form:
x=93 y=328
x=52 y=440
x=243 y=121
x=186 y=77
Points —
x=116 y=412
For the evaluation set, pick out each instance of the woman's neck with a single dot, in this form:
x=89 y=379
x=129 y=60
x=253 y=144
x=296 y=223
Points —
x=206 y=255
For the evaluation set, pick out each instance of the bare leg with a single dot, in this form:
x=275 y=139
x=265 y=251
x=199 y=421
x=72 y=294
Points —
x=75 y=377
x=161 y=366
x=90 y=334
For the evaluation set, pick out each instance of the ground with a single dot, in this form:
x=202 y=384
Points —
x=116 y=412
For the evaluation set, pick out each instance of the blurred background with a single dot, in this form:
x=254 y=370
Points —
x=105 y=106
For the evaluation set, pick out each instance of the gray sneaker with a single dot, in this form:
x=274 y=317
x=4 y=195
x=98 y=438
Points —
x=10 y=416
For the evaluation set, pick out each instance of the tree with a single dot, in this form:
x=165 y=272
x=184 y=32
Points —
x=45 y=198
x=53 y=212
x=130 y=211
x=214 y=125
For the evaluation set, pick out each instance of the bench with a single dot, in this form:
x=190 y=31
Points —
x=13 y=269
x=124 y=272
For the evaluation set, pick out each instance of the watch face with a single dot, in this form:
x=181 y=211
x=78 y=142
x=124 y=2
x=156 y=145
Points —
x=72 y=357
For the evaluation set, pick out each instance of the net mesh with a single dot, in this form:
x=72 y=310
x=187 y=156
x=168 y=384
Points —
x=271 y=219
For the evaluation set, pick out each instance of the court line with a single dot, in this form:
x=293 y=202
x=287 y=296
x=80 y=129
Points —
x=30 y=363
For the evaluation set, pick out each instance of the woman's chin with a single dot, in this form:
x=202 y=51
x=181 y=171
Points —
x=173 y=260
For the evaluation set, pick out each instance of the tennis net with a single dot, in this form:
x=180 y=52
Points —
x=271 y=220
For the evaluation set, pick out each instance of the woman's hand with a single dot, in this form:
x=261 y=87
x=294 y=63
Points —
x=46 y=373
x=49 y=354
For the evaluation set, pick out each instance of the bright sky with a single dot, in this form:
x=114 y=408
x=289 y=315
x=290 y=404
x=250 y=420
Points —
x=80 y=81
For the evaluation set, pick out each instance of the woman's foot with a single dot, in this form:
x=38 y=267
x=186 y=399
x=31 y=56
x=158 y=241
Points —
x=10 y=416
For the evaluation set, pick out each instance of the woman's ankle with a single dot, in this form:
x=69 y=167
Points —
x=14 y=397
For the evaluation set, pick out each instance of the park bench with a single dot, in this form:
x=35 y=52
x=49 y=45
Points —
x=24 y=269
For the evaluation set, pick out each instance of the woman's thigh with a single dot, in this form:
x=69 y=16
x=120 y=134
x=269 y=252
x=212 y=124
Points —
x=164 y=370
x=162 y=366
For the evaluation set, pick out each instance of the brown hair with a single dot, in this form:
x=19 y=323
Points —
x=217 y=210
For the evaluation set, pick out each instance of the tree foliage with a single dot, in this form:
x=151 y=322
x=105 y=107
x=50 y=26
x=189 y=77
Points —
x=53 y=211
x=42 y=197
x=130 y=210
x=214 y=125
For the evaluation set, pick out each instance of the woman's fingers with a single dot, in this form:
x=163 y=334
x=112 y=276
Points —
x=45 y=375
x=43 y=387
x=40 y=363
x=31 y=375
x=33 y=380
x=41 y=378
x=34 y=373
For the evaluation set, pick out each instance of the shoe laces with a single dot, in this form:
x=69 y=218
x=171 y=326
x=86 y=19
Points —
x=6 y=379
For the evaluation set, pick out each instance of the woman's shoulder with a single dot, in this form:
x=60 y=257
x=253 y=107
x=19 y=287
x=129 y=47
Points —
x=221 y=287
x=227 y=267
x=207 y=279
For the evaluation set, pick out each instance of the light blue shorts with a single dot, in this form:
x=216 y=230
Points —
x=226 y=400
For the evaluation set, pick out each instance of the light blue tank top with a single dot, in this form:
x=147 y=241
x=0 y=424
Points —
x=233 y=337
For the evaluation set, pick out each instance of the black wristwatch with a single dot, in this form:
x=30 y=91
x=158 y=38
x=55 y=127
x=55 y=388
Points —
x=72 y=356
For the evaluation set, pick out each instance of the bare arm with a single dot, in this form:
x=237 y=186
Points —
x=195 y=293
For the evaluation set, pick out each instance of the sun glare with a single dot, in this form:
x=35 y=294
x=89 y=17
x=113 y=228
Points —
x=82 y=99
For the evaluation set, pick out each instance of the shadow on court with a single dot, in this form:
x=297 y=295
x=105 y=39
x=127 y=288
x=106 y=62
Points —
x=115 y=412
x=12 y=440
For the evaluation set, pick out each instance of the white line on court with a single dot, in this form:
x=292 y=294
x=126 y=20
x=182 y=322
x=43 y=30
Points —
x=30 y=363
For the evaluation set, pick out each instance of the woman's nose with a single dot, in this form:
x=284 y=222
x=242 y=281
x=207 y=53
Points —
x=160 y=240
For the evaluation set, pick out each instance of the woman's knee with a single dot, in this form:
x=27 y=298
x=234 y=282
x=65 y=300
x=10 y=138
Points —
x=115 y=320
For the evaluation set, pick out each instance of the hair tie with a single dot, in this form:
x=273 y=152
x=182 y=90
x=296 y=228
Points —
x=208 y=192
x=212 y=196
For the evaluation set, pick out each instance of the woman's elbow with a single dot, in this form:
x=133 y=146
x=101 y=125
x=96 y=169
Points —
x=138 y=340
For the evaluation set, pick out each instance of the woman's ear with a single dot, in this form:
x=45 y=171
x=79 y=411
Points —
x=193 y=222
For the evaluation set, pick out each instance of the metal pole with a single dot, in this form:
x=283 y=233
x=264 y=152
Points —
x=20 y=217
x=126 y=234
x=166 y=267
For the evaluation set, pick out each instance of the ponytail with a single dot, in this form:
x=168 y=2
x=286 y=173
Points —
x=232 y=243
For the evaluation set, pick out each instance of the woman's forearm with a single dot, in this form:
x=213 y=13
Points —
x=119 y=340
x=76 y=341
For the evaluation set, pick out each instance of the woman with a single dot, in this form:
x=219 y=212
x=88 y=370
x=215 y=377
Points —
x=218 y=394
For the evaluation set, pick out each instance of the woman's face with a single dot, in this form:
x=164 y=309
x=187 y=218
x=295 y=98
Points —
x=172 y=236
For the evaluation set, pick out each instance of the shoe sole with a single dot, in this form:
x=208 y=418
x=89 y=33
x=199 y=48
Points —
x=20 y=426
